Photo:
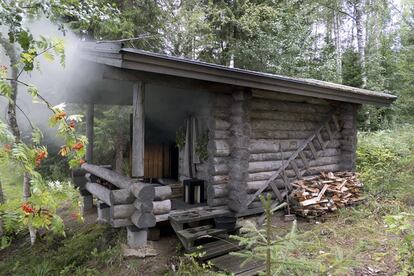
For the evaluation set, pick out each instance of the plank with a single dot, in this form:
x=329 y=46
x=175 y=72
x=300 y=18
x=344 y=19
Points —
x=233 y=264
x=198 y=214
x=216 y=248
x=192 y=234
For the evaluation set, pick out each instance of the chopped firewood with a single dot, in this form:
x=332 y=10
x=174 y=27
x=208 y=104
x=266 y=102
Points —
x=317 y=195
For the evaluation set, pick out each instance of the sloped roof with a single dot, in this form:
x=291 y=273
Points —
x=134 y=59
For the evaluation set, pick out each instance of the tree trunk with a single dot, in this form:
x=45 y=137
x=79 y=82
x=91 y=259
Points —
x=119 y=150
x=26 y=195
x=1 y=202
x=12 y=118
x=338 y=54
x=358 y=6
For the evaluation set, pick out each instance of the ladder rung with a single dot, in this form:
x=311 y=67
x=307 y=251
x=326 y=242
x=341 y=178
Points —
x=320 y=140
x=335 y=120
x=295 y=168
x=304 y=160
x=328 y=129
x=313 y=150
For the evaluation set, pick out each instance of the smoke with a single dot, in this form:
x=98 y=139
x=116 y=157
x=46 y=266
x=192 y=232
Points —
x=51 y=78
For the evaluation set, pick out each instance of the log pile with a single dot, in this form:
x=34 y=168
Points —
x=317 y=195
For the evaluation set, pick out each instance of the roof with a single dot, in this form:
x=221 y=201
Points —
x=134 y=59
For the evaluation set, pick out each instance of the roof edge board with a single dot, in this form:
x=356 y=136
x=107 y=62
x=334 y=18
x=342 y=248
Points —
x=270 y=86
x=383 y=98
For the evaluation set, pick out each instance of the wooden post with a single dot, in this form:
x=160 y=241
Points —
x=89 y=132
x=138 y=127
x=239 y=151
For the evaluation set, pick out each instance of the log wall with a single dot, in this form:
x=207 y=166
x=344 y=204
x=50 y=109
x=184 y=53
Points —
x=276 y=125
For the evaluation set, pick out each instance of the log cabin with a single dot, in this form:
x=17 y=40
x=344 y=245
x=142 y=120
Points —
x=207 y=139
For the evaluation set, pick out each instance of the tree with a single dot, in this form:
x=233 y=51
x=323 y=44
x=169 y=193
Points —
x=23 y=49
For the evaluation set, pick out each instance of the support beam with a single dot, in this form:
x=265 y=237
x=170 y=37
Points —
x=138 y=126
x=89 y=132
x=239 y=151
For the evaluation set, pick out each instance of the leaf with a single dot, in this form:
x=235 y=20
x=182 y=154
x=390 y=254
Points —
x=5 y=89
x=33 y=91
x=48 y=56
x=25 y=39
x=37 y=136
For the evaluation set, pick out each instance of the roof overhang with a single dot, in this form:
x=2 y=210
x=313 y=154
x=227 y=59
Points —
x=133 y=59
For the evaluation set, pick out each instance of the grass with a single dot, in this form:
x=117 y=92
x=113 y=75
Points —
x=92 y=248
x=351 y=241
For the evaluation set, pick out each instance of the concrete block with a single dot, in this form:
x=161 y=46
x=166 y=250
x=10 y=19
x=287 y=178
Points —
x=87 y=203
x=136 y=237
x=103 y=212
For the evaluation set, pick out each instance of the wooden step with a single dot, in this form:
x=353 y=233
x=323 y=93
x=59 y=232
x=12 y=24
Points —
x=198 y=215
x=233 y=264
x=215 y=249
x=192 y=234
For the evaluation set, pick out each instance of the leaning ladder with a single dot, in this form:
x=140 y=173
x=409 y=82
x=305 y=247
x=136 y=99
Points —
x=309 y=142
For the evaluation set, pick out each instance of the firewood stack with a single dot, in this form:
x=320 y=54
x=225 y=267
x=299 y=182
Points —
x=317 y=195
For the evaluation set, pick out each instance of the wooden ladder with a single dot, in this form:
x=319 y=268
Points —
x=316 y=137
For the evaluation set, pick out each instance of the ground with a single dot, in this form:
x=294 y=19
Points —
x=350 y=238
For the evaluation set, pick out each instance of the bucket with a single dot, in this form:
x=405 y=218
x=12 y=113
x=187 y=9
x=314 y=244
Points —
x=225 y=222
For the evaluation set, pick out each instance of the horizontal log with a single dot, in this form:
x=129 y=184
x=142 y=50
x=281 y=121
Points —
x=290 y=173
x=162 y=207
x=144 y=206
x=257 y=93
x=213 y=202
x=143 y=219
x=220 y=124
x=282 y=125
x=253 y=186
x=220 y=179
x=162 y=192
x=78 y=172
x=219 y=169
x=220 y=148
x=287 y=154
x=121 y=196
x=118 y=223
x=221 y=134
x=283 y=116
x=99 y=192
x=142 y=191
x=269 y=105
x=117 y=179
x=220 y=190
x=121 y=211
x=272 y=146
x=221 y=113
x=287 y=134
x=264 y=166
x=222 y=100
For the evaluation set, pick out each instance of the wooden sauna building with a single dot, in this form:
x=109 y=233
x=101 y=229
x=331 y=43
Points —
x=239 y=133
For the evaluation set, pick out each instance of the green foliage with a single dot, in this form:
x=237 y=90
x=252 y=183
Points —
x=93 y=247
x=188 y=266
x=402 y=225
x=279 y=252
x=180 y=138
x=201 y=146
x=385 y=161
